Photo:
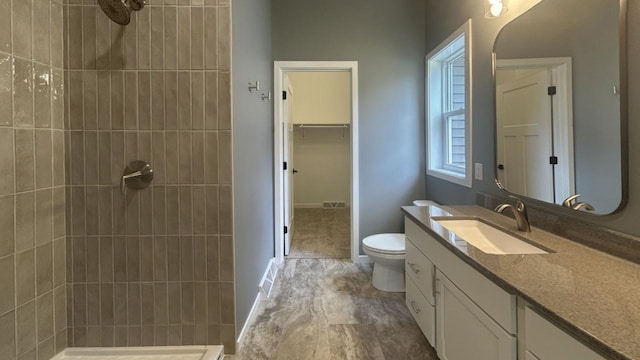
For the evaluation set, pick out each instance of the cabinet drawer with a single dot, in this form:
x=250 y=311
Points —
x=496 y=302
x=422 y=311
x=549 y=342
x=420 y=270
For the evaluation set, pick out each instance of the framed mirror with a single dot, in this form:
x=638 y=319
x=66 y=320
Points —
x=560 y=83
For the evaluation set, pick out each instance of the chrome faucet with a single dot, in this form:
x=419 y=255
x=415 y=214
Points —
x=519 y=213
x=568 y=203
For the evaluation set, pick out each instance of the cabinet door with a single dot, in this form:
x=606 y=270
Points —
x=548 y=342
x=466 y=332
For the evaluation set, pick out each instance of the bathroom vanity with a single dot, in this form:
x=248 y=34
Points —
x=570 y=302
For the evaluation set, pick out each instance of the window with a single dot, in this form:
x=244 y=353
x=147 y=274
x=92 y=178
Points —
x=449 y=108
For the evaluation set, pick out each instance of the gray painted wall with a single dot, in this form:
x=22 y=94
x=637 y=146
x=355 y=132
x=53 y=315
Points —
x=567 y=28
x=387 y=40
x=443 y=17
x=252 y=150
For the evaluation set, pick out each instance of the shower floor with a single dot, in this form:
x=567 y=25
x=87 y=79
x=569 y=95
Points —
x=143 y=353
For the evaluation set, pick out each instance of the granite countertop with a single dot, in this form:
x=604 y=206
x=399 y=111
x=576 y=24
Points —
x=591 y=294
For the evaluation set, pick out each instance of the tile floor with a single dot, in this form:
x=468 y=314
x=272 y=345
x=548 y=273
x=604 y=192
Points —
x=326 y=308
x=321 y=234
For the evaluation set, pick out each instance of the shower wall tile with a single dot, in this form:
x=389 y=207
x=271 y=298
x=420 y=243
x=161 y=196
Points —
x=224 y=38
x=24 y=159
x=171 y=37
x=116 y=50
x=211 y=37
x=25 y=277
x=73 y=37
x=23 y=92
x=144 y=100
x=197 y=38
x=5 y=28
x=117 y=100
x=144 y=268
x=103 y=100
x=57 y=38
x=7 y=284
x=144 y=39
x=224 y=101
x=25 y=221
x=44 y=159
x=42 y=95
x=184 y=100
x=90 y=93
x=6 y=88
x=130 y=33
x=21 y=28
x=184 y=37
x=57 y=99
x=130 y=100
x=211 y=100
x=89 y=38
x=157 y=37
x=103 y=41
x=41 y=27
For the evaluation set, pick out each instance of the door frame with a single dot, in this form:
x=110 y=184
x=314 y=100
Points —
x=279 y=69
x=562 y=113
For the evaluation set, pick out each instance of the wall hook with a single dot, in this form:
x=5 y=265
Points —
x=266 y=97
x=255 y=86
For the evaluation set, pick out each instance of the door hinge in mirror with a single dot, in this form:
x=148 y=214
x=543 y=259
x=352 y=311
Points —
x=553 y=160
x=551 y=90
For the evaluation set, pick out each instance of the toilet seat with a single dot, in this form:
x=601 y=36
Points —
x=386 y=244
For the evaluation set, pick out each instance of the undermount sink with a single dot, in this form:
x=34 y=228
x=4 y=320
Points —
x=486 y=237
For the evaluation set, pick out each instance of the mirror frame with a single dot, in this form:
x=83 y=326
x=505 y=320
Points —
x=624 y=120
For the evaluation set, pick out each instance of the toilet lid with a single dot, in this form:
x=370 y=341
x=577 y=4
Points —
x=388 y=243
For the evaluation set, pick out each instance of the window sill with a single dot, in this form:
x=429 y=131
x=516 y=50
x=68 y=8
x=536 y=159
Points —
x=451 y=176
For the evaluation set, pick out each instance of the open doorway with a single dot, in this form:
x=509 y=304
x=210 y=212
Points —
x=316 y=157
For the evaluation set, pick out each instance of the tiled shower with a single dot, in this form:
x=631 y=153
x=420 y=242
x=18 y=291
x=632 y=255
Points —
x=80 y=97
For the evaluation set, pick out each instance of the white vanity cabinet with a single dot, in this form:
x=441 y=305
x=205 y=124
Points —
x=545 y=341
x=474 y=318
x=420 y=291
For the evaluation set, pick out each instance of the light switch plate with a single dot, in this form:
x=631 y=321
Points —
x=478 y=171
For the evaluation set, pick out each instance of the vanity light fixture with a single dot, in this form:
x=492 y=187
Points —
x=495 y=8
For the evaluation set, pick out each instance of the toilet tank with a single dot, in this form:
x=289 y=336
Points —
x=424 y=203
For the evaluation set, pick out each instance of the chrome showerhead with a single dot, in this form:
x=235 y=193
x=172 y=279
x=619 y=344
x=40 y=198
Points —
x=120 y=10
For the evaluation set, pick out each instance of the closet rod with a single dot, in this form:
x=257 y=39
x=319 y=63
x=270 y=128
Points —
x=302 y=126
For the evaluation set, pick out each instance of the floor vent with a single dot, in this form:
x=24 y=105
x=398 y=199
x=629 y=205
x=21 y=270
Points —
x=334 y=204
x=268 y=280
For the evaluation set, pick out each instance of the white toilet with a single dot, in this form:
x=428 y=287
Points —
x=387 y=251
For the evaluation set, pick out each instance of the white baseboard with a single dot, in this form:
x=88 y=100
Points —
x=265 y=287
x=249 y=321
